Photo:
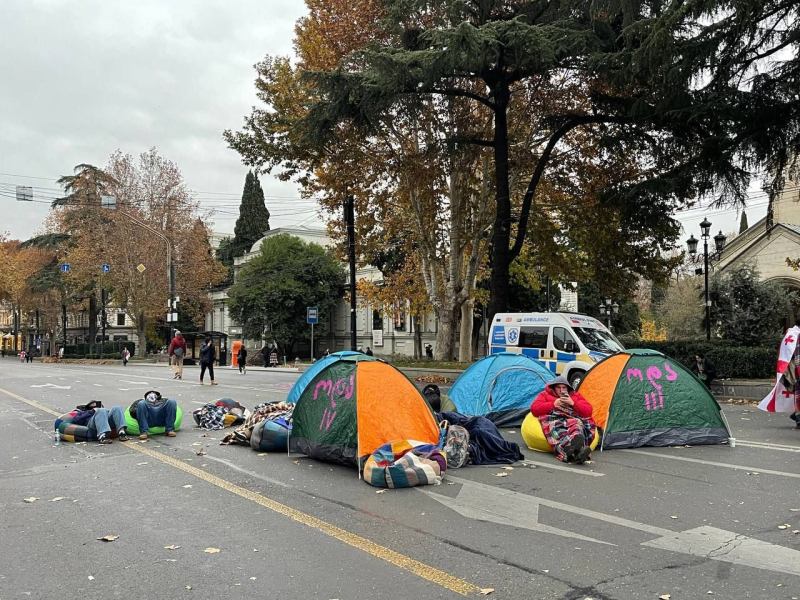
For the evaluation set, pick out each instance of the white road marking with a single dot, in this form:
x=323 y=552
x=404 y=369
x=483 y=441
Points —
x=713 y=463
x=719 y=544
x=53 y=385
x=576 y=470
x=98 y=384
x=134 y=382
x=768 y=446
x=489 y=503
x=123 y=389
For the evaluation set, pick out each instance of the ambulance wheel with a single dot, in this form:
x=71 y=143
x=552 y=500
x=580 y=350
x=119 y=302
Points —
x=575 y=378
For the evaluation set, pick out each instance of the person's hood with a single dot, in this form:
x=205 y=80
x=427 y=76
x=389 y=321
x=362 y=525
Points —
x=560 y=380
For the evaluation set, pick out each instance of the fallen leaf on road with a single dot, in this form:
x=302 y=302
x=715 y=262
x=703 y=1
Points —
x=380 y=491
x=508 y=468
x=253 y=578
x=91 y=578
x=664 y=597
x=187 y=486
x=188 y=587
x=170 y=560
x=108 y=538
x=30 y=500
x=451 y=483
x=512 y=432
x=140 y=464
x=501 y=474
x=201 y=453
x=784 y=526
x=263 y=454
x=673 y=517
x=196 y=444
x=795 y=509
x=795 y=531
x=237 y=584
x=211 y=550
x=486 y=591
x=57 y=498
x=171 y=547
x=297 y=462
x=546 y=571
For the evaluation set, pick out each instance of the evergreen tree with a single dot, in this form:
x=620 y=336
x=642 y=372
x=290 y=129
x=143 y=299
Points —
x=743 y=223
x=253 y=219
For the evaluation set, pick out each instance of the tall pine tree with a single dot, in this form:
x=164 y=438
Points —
x=253 y=221
x=743 y=223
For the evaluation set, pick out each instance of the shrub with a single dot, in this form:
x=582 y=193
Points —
x=734 y=362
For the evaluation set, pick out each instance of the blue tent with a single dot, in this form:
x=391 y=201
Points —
x=500 y=387
x=312 y=371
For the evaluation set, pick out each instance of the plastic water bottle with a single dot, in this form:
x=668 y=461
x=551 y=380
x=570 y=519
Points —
x=56 y=438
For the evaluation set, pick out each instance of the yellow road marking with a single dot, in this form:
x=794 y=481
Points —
x=420 y=569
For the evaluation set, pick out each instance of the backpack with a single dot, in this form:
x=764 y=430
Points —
x=456 y=446
x=177 y=352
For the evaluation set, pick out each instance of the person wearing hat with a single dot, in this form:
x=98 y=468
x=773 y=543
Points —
x=177 y=352
x=566 y=419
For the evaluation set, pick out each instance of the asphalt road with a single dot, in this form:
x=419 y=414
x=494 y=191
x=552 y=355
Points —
x=688 y=522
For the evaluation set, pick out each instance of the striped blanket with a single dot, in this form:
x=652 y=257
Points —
x=405 y=464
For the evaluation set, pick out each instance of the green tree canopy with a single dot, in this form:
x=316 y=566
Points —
x=273 y=290
x=746 y=310
x=253 y=221
x=743 y=223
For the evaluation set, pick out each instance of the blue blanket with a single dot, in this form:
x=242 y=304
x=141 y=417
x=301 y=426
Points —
x=486 y=445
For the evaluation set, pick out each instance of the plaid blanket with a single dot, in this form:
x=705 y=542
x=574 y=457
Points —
x=405 y=464
x=262 y=412
x=560 y=427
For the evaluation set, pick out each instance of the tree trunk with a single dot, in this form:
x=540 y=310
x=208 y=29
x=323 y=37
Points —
x=445 y=336
x=465 y=345
x=418 y=354
x=501 y=252
x=140 y=331
x=92 y=322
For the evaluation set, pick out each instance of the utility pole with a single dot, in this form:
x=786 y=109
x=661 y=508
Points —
x=103 y=300
x=349 y=217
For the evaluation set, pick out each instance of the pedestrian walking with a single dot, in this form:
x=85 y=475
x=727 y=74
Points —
x=265 y=355
x=177 y=352
x=61 y=352
x=22 y=356
x=241 y=359
x=208 y=355
x=785 y=396
x=327 y=352
x=126 y=356
x=273 y=357
x=368 y=352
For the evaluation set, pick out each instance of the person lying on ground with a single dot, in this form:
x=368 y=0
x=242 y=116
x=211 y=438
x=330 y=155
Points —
x=155 y=411
x=102 y=421
x=566 y=419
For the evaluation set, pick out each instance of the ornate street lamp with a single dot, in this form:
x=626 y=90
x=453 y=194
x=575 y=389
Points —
x=719 y=243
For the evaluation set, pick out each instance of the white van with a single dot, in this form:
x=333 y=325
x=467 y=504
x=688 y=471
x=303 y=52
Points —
x=566 y=343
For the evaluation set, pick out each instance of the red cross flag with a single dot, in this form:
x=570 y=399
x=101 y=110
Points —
x=781 y=398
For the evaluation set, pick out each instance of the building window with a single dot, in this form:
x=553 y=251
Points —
x=120 y=318
x=399 y=317
x=120 y=338
x=377 y=320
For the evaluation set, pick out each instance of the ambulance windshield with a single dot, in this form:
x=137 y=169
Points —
x=598 y=340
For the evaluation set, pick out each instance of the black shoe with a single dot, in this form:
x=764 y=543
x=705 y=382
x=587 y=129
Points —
x=584 y=454
x=104 y=439
x=123 y=436
x=575 y=445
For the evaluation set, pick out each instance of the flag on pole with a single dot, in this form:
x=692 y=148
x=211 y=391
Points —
x=781 y=398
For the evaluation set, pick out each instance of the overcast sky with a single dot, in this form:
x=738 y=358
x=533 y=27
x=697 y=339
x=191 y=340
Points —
x=83 y=78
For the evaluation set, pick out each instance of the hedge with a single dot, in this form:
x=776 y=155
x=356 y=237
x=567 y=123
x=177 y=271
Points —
x=109 y=349
x=732 y=362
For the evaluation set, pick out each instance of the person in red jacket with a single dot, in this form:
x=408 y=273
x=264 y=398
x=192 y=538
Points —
x=177 y=350
x=566 y=419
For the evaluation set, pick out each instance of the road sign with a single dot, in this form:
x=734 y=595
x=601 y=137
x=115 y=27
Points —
x=141 y=268
x=106 y=268
x=24 y=193
x=65 y=268
x=312 y=315
x=172 y=317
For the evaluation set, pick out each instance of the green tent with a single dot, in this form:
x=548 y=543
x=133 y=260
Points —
x=643 y=398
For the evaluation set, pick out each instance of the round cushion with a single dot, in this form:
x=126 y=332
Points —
x=405 y=464
x=133 y=424
x=534 y=436
x=76 y=433
x=269 y=436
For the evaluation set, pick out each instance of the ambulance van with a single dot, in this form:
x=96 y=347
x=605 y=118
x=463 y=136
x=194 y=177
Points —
x=566 y=343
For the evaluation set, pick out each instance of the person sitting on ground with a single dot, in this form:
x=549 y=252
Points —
x=156 y=411
x=704 y=369
x=241 y=359
x=566 y=419
x=208 y=355
x=177 y=350
x=102 y=421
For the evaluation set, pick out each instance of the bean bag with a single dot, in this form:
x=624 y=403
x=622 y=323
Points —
x=270 y=436
x=405 y=464
x=534 y=436
x=133 y=424
x=76 y=433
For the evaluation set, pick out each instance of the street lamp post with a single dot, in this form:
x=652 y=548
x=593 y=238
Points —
x=608 y=309
x=719 y=243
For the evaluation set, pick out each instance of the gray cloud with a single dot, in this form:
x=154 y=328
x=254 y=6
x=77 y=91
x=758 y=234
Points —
x=84 y=78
